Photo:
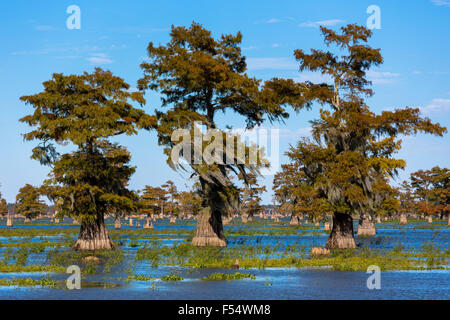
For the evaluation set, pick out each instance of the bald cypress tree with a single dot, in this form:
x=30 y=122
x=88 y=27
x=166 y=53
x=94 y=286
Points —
x=85 y=111
x=28 y=202
x=251 y=198
x=3 y=206
x=351 y=145
x=198 y=77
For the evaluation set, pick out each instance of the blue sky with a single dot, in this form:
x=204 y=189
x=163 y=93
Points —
x=414 y=38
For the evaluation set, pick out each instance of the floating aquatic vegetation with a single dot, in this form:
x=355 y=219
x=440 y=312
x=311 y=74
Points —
x=172 y=277
x=27 y=282
x=218 y=276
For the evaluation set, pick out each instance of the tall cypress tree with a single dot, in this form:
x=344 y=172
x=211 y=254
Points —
x=86 y=110
x=199 y=76
x=351 y=145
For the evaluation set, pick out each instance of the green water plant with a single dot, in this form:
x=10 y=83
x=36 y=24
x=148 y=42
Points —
x=218 y=276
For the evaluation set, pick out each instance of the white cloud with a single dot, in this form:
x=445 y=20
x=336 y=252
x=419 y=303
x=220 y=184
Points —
x=314 y=77
x=99 y=58
x=435 y=73
x=441 y=3
x=317 y=24
x=137 y=30
x=288 y=134
x=269 y=21
x=382 y=77
x=271 y=63
x=44 y=28
x=60 y=48
x=273 y=20
x=436 y=106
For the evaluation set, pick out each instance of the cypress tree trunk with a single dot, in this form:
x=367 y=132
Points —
x=366 y=227
x=93 y=236
x=147 y=223
x=27 y=220
x=9 y=221
x=117 y=223
x=403 y=219
x=341 y=236
x=295 y=220
x=209 y=231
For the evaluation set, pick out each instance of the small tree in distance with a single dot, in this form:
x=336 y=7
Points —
x=3 y=206
x=28 y=203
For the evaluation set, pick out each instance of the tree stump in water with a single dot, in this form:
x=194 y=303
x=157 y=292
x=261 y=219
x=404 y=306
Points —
x=90 y=259
x=378 y=219
x=403 y=219
x=130 y=222
x=9 y=221
x=430 y=219
x=318 y=252
x=366 y=226
x=209 y=231
x=27 y=220
x=326 y=226
x=147 y=223
x=117 y=223
x=235 y=266
x=56 y=220
x=295 y=220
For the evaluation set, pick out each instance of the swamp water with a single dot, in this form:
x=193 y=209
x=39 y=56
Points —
x=147 y=256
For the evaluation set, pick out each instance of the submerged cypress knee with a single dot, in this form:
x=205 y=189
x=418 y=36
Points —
x=366 y=226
